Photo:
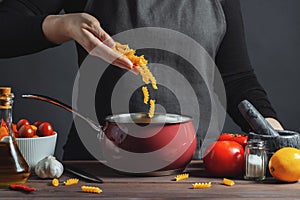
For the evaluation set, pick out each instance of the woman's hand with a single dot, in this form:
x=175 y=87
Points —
x=86 y=30
x=274 y=123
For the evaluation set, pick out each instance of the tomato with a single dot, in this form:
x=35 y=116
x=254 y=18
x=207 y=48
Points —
x=36 y=129
x=22 y=122
x=37 y=123
x=45 y=129
x=224 y=159
x=26 y=131
x=241 y=139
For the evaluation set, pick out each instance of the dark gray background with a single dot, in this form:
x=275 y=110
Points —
x=272 y=33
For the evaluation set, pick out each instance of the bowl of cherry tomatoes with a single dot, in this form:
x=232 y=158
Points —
x=35 y=140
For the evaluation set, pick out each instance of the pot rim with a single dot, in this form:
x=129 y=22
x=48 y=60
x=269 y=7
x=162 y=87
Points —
x=142 y=118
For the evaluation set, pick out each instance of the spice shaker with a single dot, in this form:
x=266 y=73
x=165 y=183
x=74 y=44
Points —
x=256 y=160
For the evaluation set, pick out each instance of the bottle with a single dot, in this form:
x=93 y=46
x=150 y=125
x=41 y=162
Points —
x=255 y=160
x=13 y=167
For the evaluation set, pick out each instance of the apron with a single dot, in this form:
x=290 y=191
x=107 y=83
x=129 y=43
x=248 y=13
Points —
x=201 y=20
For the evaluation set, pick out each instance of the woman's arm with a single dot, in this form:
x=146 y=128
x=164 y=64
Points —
x=238 y=75
x=21 y=27
x=29 y=26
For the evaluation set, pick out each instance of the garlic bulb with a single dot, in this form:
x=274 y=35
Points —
x=49 y=167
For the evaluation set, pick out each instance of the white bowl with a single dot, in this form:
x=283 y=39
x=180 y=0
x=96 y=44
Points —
x=35 y=149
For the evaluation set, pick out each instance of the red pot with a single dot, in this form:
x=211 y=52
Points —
x=135 y=144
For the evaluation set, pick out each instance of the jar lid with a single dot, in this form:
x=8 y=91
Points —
x=256 y=142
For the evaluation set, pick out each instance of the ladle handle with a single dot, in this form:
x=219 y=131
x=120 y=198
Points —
x=255 y=120
x=93 y=124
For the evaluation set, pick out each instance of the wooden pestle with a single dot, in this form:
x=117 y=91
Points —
x=255 y=120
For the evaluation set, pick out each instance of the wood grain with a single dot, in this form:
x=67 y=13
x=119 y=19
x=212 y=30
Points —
x=117 y=186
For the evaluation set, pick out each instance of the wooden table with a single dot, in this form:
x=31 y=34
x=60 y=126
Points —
x=118 y=186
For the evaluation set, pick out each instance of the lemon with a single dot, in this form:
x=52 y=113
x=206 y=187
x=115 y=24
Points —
x=284 y=165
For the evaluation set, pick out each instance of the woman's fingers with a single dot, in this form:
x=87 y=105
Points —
x=106 y=39
x=274 y=123
x=98 y=48
x=86 y=30
x=101 y=44
x=110 y=56
x=95 y=28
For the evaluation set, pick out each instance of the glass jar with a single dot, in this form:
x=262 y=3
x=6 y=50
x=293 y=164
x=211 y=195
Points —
x=255 y=160
x=13 y=167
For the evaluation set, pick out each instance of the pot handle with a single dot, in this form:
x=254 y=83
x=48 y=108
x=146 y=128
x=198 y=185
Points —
x=56 y=102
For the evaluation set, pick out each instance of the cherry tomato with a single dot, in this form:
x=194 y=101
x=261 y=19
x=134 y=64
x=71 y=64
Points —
x=37 y=123
x=26 y=131
x=239 y=138
x=45 y=129
x=22 y=122
x=224 y=159
x=34 y=127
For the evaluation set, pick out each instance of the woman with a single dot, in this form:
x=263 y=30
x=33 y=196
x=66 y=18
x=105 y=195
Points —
x=215 y=24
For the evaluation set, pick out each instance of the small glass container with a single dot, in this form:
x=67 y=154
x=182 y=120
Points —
x=255 y=160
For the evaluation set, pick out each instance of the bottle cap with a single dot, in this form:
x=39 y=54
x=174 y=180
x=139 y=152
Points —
x=6 y=97
x=5 y=90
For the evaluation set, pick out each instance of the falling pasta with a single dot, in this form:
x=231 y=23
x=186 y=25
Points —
x=71 y=181
x=147 y=76
x=130 y=54
x=91 y=189
x=55 y=182
x=201 y=185
x=152 y=108
x=139 y=62
x=146 y=94
x=180 y=177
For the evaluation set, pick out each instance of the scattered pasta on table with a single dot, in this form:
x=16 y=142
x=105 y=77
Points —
x=201 y=185
x=180 y=177
x=228 y=182
x=91 y=189
x=71 y=181
x=55 y=182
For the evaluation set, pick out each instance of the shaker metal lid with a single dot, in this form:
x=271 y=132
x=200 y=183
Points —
x=256 y=142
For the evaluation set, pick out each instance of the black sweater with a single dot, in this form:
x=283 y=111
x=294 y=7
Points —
x=21 y=34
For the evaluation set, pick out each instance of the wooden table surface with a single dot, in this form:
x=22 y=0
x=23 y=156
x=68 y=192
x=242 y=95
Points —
x=118 y=186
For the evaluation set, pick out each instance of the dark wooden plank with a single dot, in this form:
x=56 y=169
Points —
x=118 y=186
x=163 y=190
